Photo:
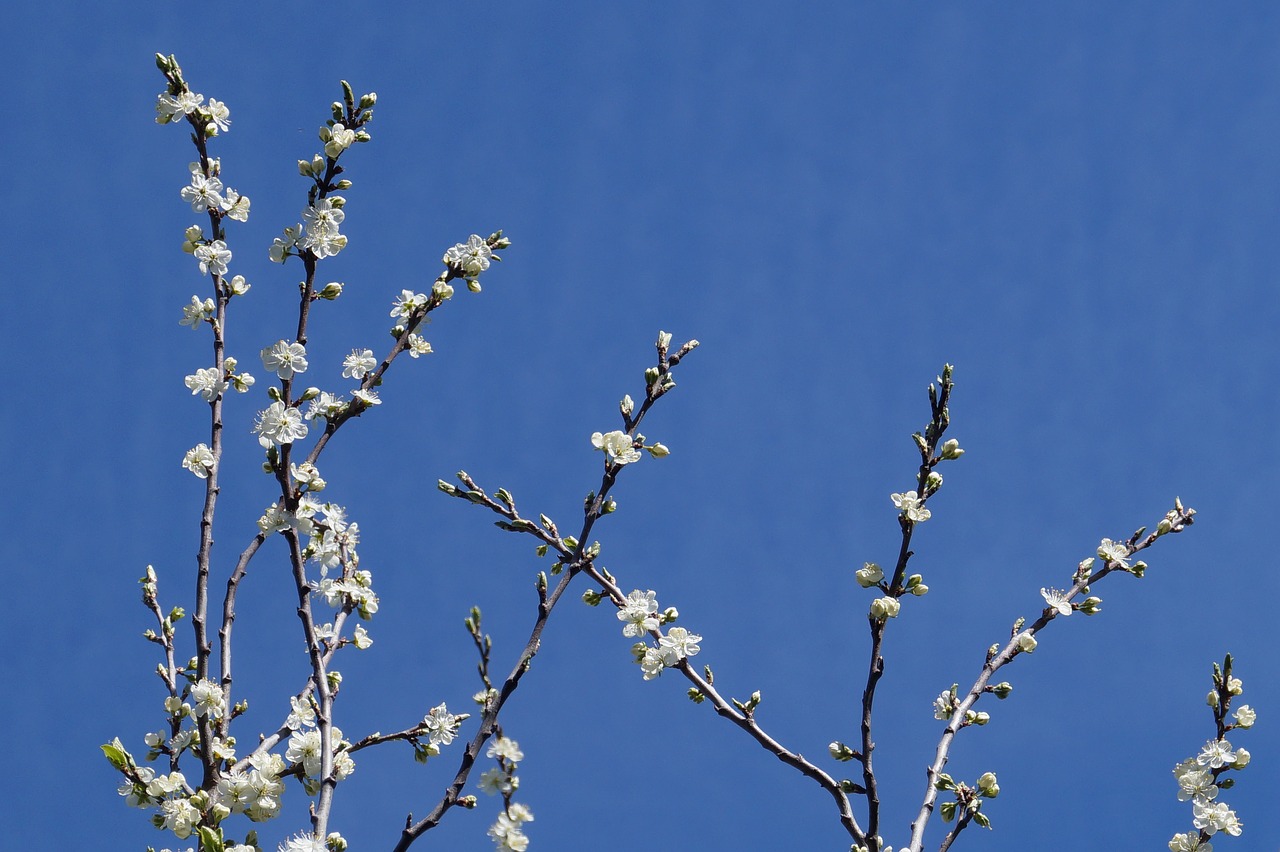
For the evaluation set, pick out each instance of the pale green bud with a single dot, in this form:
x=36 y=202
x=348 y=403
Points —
x=987 y=785
x=332 y=290
x=951 y=450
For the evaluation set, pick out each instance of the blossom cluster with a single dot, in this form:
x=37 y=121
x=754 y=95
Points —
x=639 y=614
x=507 y=832
x=1198 y=777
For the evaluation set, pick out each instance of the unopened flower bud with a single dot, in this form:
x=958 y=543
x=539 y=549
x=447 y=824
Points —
x=467 y=802
x=884 y=608
x=1235 y=686
x=919 y=590
x=841 y=752
x=609 y=506
x=1001 y=690
x=331 y=291
x=951 y=450
x=1027 y=643
x=368 y=100
x=987 y=785
x=627 y=405
x=933 y=481
x=473 y=284
x=1091 y=605
x=1212 y=698
x=591 y=597
x=658 y=450
x=650 y=376
x=664 y=340
x=1242 y=759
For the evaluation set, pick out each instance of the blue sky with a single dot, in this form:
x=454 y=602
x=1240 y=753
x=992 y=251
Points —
x=1074 y=204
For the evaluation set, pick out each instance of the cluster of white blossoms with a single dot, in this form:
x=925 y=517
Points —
x=305 y=750
x=1198 y=779
x=911 y=507
x=508 y=831
x=321 y=222
x=254 y=791
x=214 y=116
x=639 y=614
x=206 y=193
x=404 y=307
x=469 y=259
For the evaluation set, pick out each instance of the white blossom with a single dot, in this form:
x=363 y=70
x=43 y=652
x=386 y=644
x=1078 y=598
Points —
x=1114 y=551
x=203 y=192
x=207 y=382
x=213 y=258
x=199 y=460
x=678 y=644
x=1216 y=754
x=279 y=424
x=617 y=447
x=169 y=107
x=1056 y=600
x=358 y=364
x=441 y=725
x=208 y=699
x=885 y=607
x=639 y=612
x=416 y=345
x=505 y=748
x=197 y=312
x=868 y=575
x=285 y=358
x=472 y=257
x=911 y=506
x=336 y=139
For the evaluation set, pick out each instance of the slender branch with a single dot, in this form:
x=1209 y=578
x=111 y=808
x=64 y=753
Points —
x=747 y=722
x=412 y=831
x=1178 y=519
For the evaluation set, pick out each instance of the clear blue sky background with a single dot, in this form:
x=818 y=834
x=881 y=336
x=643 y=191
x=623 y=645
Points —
x=1075 y=204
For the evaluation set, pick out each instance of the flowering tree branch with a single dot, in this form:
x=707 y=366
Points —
x=321 y=544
